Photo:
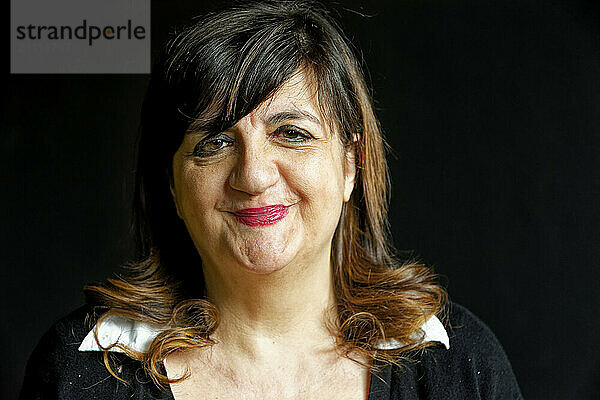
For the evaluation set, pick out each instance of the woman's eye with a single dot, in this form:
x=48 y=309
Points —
x=292 y=134
x=208 y=147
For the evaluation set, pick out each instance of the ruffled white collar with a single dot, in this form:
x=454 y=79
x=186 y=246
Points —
x=137 y=336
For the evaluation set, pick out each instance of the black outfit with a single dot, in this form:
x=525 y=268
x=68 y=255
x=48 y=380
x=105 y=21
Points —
x=475 y=367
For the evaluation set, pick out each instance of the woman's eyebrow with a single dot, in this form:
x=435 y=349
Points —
x=287 y=115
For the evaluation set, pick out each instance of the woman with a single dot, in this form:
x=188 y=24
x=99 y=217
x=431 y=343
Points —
x=264 y=266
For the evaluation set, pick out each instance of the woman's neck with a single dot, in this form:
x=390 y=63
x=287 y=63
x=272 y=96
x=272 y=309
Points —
x=284 y=310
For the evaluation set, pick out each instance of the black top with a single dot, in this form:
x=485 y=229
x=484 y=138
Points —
x=475 y=367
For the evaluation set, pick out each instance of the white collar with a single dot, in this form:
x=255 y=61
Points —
x=432 y=331
x=137 y=336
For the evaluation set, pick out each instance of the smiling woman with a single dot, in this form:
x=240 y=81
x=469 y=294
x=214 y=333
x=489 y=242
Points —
x=266 y=193
x=265 y=269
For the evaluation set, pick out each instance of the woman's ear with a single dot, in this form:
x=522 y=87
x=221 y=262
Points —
x=349 y=170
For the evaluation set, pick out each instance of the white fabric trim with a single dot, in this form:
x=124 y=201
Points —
x=432 y=330
x=120 y=330
x=138 y=335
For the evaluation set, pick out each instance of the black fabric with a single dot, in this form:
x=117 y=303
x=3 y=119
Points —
x=475 y=367
x=58 y=370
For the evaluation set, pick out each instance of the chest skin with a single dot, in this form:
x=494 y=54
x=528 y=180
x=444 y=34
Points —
x=214 y=377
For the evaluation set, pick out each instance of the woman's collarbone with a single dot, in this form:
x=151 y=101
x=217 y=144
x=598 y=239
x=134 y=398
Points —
x=277 y=380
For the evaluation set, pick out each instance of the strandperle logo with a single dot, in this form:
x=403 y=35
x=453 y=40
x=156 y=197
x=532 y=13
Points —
x=85 y=31
x=80 y=37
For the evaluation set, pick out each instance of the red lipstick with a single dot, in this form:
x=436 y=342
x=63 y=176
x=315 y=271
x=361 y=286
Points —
x=262 y=216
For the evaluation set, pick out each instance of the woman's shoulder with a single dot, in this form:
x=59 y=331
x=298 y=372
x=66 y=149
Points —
x=474 y=366
x=470 y=335
x=65 y=333
x=58 y=369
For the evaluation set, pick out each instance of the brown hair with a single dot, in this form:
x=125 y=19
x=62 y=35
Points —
x=211 y=74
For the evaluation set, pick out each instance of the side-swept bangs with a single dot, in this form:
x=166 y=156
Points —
x=223 y=67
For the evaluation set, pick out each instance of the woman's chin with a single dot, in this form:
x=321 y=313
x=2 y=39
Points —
x=263 y=251
x=261 y=267
x=263 y=260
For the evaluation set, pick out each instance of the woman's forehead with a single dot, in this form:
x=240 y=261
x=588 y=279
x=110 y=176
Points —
x=296 y=100
x=297 y=97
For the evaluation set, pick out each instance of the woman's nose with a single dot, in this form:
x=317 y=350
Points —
x=254 y=171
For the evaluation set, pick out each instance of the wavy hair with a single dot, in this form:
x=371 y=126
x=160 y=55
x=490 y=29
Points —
x=212 y=73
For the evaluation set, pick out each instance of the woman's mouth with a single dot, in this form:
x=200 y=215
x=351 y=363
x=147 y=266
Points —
x=262 y=216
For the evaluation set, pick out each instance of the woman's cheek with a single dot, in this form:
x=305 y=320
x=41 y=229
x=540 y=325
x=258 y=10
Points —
x=318 y=181
x=198 y=190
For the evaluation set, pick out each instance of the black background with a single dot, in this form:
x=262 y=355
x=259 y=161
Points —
x=492 y=109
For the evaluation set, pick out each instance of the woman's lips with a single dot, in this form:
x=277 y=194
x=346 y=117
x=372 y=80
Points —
x=262 y=216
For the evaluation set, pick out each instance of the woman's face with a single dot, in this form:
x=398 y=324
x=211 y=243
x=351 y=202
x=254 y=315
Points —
x=268 y=192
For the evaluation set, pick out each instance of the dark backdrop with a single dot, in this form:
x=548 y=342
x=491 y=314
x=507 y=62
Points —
x=492 y=109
